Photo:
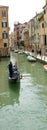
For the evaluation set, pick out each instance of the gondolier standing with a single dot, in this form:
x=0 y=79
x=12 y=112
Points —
x=10 y=69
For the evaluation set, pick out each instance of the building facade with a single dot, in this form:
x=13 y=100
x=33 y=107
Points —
x=38 y=30
x=16 y=34
x=26 y=39
x=19 y=33
x=4 y=31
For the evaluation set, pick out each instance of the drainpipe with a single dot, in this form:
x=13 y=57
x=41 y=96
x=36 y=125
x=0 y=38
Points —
x=44 y=38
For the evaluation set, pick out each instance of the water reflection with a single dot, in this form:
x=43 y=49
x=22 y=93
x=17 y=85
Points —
x=10 y=95
x=14 y=89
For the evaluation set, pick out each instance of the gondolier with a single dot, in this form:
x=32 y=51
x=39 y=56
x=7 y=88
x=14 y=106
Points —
x=10 y=69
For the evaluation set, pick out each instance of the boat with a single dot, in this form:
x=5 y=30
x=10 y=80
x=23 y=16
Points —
x=16 y=51
x=20 y=52
x=27 y=53
x=15 y=75
x=31 y=59
x=45 y=67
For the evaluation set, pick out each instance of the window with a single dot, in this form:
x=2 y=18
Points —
x=4 y=13
x=17 y=33
x=4 y=24
x=5 y=35
x=44 y=11
x=5 y=44
x=46 y=50
x=17 y=38
x=42 y=25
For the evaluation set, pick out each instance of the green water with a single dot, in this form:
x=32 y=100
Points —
x=23 y=105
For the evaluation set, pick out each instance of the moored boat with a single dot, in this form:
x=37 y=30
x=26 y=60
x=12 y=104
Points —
x=16 y=51
x=45 y=67
x=31 y=59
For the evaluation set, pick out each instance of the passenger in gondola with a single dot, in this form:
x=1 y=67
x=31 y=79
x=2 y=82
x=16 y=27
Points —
x=15 y=70
x=10 y=69
x=15 y=67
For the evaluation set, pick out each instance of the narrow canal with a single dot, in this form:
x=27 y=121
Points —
x=23 y=105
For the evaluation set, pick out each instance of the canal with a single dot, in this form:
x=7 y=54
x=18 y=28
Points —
x=23 y=105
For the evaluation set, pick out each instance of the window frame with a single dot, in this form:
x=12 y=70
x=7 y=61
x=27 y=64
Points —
x=3 y=13
x=4 y=24
x=5 y=35
x=5 y=44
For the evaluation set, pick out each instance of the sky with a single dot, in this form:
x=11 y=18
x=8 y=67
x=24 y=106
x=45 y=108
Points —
x=22 y=10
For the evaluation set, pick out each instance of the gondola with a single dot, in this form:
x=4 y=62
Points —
x=15 y=75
